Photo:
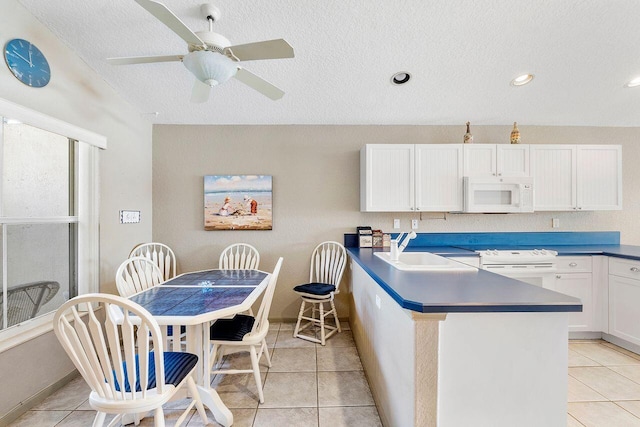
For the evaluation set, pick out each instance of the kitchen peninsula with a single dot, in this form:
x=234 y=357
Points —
x=459 y=348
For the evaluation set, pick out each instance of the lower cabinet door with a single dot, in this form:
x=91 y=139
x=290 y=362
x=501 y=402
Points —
x=624 y=308
x=578 y=285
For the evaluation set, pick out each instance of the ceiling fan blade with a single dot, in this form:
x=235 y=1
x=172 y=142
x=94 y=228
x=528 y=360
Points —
x=200 y=92
x=143 y=59
x=161 y=12
x=259 y=84
x=269 y=49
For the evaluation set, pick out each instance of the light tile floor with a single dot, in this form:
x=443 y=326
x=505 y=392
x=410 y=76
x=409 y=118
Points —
x=308 y=385
x=311 y=385
x=604 y=385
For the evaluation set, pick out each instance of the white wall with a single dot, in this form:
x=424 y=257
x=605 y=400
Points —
x=316 y=189
x=78 y=96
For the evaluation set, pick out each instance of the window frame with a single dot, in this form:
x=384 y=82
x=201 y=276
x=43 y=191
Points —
x=87 y=198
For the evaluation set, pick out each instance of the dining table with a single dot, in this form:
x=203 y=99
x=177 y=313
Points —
x=194 y=300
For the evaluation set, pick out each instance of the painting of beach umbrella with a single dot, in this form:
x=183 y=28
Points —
x=238 y=202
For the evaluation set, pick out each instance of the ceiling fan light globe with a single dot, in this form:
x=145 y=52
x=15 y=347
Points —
x=211 y=68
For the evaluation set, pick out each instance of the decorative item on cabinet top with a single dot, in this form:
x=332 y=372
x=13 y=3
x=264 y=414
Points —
x=515 y=134
x=468 y=138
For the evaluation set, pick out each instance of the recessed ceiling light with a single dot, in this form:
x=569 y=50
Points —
x=633 y=83
x=400 y=78
x=522 y=80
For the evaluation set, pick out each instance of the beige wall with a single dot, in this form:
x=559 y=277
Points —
x=316 y=189
x=79 y=96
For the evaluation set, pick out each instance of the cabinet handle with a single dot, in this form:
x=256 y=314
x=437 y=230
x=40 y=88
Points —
x=558 y=276
x=500 y=174
x=634 y=269
x=573 y=264
x=579 y=207
x=412 y=208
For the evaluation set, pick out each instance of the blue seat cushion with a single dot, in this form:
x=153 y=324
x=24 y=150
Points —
x=231 y=329
x=176 y=367
x=319 y=289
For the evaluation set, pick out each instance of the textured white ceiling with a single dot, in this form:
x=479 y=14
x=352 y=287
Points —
x=462 y=55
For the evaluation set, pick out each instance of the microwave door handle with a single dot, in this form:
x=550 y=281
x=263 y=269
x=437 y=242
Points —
x=516 y=196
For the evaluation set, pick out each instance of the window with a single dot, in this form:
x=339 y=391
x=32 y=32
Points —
x=39 y=225
x=48 y=219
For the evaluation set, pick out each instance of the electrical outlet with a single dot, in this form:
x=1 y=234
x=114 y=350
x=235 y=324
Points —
x=396 y=224
x=555 y=222
x=414 y=224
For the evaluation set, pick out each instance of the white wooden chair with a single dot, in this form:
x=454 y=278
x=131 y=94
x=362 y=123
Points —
x=161 y=255
x=239 y=256
x=245 y=332
x=137 y=274
x=122 y=358
x=327 y=265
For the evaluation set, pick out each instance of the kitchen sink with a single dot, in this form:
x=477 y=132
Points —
x=423 y=261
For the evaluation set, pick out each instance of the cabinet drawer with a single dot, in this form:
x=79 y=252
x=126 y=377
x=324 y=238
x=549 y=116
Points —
x=573 y=264
x=624 y=268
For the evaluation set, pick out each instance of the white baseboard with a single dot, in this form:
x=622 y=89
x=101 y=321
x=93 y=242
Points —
x=35 y=400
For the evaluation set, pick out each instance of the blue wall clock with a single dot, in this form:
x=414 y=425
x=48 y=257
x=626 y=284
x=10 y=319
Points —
x=27 y=63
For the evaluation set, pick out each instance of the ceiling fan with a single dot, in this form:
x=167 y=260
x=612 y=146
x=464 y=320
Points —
x=211 y=58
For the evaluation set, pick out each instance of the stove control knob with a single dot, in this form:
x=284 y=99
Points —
x=535 y=252
x=543 y=252
x=495 y=252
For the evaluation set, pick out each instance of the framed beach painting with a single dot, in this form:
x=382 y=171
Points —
x=238 y=202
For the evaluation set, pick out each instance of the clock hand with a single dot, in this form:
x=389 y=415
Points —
x=30 y=60
x=22 y=57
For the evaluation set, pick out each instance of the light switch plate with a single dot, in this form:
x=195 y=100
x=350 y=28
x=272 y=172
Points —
x=414 y=224
x=129 y=217
x=396 y=224
x=555 y=223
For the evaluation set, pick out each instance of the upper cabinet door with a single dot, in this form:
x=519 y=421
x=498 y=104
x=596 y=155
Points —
x=439 y=177
x=513 y=160
x=484 y=160
x=480 y=160
x=553 y=168
x=599 y=169
x=387 y=178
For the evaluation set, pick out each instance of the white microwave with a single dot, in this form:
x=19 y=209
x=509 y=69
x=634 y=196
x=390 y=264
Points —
x=498 y=194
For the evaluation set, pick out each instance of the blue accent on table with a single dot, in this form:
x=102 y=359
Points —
x=190 y=301
x=210 y=278
x=176 y=367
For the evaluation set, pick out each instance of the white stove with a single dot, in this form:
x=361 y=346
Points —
x=535 y=256
x=534 y=266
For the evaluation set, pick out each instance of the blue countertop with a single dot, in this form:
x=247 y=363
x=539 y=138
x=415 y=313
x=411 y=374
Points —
x=482 y=291
x=460 y=291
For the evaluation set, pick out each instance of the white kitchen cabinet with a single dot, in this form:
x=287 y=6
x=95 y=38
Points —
x=484 y=160
x=574 y=278
x=387 y=178
x=624 y=299
x=438 y=182
x=576 y=177
x=599 y=177
x=407 y=177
